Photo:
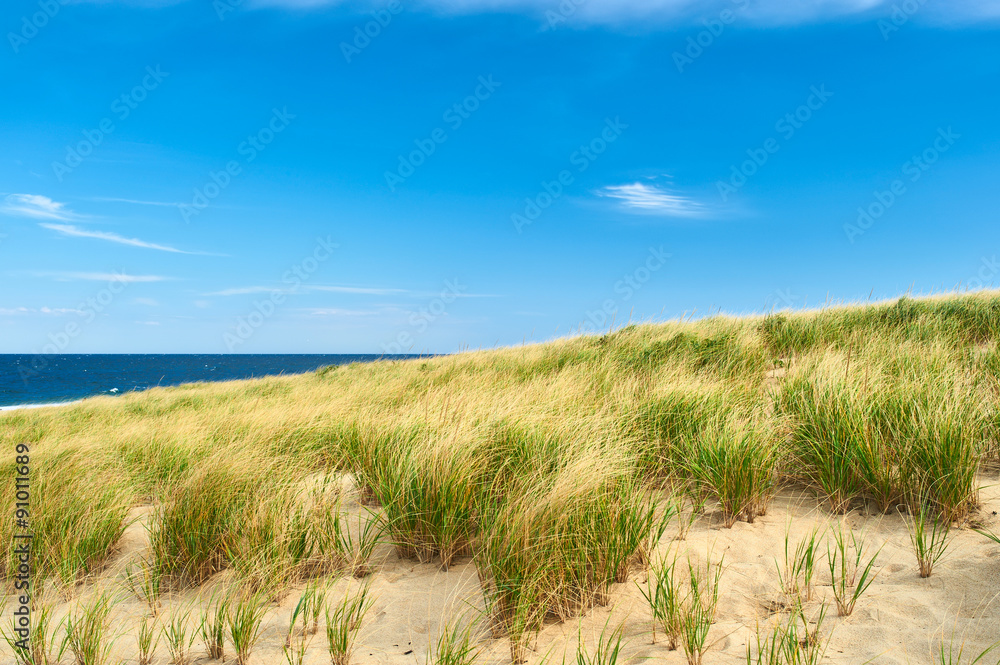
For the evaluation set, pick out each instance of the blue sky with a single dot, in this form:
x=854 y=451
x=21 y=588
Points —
x=263 y=177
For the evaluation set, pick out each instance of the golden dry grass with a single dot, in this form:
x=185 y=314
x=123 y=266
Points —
x=549 y=465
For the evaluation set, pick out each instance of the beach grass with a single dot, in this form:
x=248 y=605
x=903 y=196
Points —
x=551 y=467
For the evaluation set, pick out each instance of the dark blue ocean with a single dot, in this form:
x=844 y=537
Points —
x=49 y=379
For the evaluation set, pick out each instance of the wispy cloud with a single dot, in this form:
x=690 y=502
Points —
x=342 y=312
x=354 y=289
x=111 y=199
x=51 y=311
x=650 y=198
x=36 y=207
x=624 y=12
x=77 y=232
x=780 y=12
x=305 y=288
x=61 y=276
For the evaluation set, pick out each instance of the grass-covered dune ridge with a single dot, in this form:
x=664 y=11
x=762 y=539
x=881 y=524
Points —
x=554 y=466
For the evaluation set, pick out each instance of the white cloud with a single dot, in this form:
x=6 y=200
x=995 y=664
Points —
x=246 y=290
x=148 y=302
x=37 y=207
x=353 y=289
x=687 y=11
x=100 y=277
x=305 y=288
x=42 y=207
x=77 y=232
x=52 y=311
x=647 y=198
x=342 y=312
x=111 y=199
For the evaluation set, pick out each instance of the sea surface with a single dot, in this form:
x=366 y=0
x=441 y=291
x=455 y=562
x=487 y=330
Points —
x=31 y=380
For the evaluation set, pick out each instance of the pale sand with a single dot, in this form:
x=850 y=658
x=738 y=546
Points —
x=901 y=619
x=17 y=407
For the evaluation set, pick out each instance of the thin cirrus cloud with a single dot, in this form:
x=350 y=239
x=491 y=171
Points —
x=774 y=12
x=646 y=198
x=74 y=231
x=249 y=290
x=51 y=311
x=111 y=199
x=61 y=276
x=36 y=206
x=320 y=288
x=777 y=12
x=321 y=311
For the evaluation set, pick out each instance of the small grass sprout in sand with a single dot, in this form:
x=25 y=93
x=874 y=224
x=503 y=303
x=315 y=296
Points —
x=848 y=577
x=342 y=622
x=699 y=608
x=88 y=630
x=949 y=653
x=609 y=648
x=790 y=642
x=313 y=601
x=796 y=576
x=454 y=645
x=147 y=639
x=665 y=596
x=303 y=623
x=214 y=618
x=180 y=635
x=245 y=620
x=929 y=536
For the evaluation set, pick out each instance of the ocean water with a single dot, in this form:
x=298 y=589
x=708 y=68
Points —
x=51 y=379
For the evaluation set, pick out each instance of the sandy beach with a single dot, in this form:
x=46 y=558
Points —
x=901 y=620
